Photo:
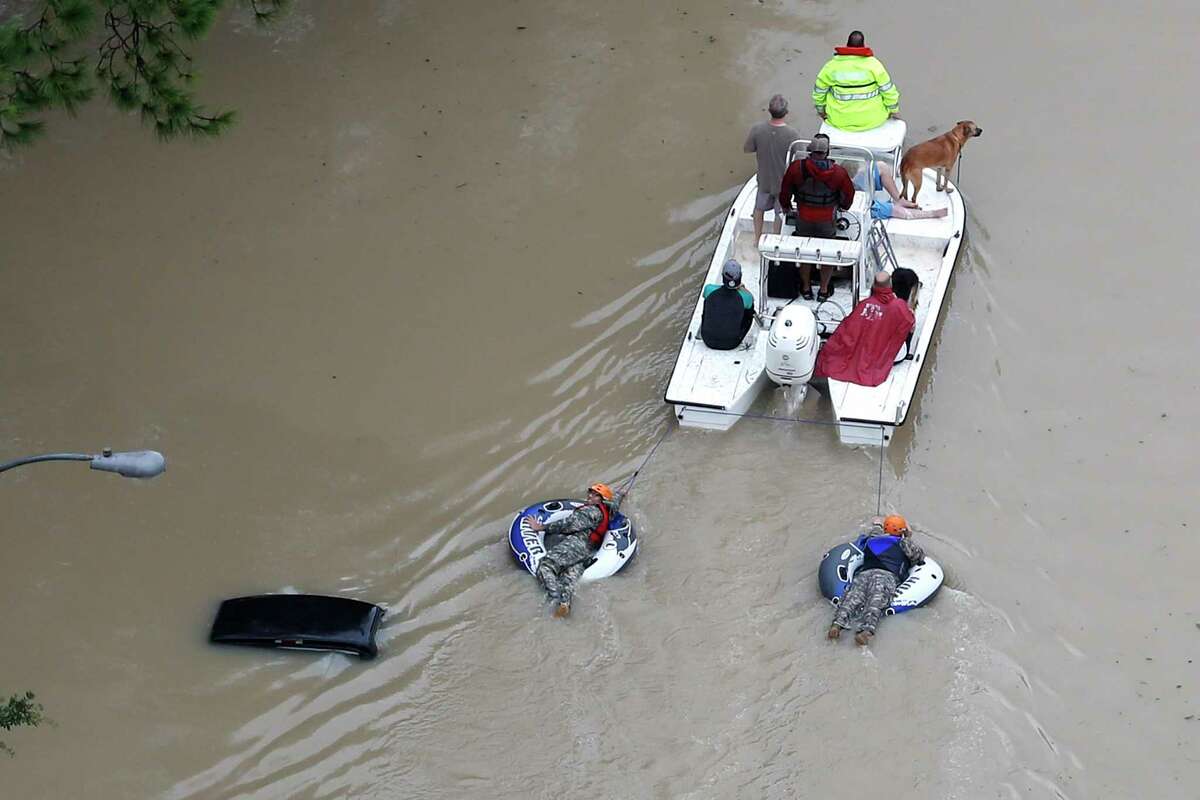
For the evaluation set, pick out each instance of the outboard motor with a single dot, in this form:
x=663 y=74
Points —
x=792 y=346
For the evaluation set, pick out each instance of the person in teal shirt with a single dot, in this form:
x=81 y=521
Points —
x=728 y=310
x=733 y=283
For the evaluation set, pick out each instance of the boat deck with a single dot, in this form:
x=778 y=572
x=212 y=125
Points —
x=918 y=244
x=929 y=247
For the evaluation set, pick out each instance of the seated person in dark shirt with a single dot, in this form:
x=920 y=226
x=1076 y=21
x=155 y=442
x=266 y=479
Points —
x=728 y=310
x=905 y=284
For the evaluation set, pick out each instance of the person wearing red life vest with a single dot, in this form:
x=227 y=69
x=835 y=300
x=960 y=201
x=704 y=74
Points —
x=582 y=534
x=863 y=347
x=818 y=185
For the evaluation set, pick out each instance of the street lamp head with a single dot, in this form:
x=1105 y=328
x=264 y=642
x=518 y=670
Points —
x=137 y=464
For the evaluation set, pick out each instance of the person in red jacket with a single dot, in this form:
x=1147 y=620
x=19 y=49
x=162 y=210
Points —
x=864 y=345
x=818 y=185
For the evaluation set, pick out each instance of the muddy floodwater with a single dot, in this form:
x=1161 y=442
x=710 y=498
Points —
x=442 y=266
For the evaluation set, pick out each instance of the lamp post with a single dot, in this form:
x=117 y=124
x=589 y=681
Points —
x=134 y=464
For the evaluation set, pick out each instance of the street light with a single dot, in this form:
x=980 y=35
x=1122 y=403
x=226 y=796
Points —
x=135 y=464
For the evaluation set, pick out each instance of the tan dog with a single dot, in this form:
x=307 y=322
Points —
x=940 y=153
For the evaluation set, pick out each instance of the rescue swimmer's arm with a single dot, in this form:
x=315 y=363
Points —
x=912 y=550
x=583 y=519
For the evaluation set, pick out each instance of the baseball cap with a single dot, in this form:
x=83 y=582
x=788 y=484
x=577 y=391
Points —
x=732 y=273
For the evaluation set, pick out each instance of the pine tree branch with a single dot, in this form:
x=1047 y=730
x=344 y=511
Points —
x=36 y=67
x=141 y=58
x=19 y=710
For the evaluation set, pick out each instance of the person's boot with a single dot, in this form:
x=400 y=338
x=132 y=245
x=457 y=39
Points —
x=862 y=638
x=563 y=610
x=834 y=632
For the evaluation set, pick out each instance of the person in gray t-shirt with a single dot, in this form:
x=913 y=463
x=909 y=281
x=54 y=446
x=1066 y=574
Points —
x=769 y=142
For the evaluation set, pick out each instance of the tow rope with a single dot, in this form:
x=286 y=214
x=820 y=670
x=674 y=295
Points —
x=625 y=487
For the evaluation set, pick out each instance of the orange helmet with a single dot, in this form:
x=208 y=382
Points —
x=894 y=523
x=602 y=490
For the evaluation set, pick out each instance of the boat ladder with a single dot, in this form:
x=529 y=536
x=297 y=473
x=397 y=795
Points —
x=879 y=248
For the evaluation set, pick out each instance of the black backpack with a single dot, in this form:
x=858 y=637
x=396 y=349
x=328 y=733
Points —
x=783 y=280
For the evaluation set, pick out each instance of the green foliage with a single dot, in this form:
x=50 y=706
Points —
x=139 y=58
x=19 y=710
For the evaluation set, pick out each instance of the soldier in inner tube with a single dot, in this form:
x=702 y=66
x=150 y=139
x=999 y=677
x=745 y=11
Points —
x=583 y=532
x=888 y=553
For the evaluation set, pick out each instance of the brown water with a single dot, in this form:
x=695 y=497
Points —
x=441 y=267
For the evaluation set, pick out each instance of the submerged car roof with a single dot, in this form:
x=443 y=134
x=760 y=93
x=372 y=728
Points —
x=299 y=622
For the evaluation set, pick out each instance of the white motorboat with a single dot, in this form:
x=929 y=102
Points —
x=714 y=388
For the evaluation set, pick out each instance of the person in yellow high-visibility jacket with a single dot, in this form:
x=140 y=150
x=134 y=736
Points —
x=853 y=91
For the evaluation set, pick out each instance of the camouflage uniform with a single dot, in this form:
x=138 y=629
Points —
x=560 y=569
x=872 y=591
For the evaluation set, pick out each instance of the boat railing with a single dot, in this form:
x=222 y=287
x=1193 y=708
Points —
x=840 y=152
x=879 y=249
x=802 y=250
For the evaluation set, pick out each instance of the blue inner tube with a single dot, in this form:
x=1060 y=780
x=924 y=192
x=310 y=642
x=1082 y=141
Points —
x=529 y=546
x=837 y=570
